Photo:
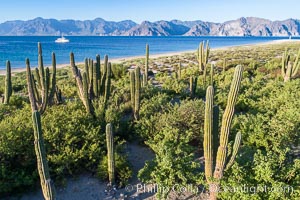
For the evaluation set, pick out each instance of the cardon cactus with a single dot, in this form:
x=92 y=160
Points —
x=137 y=94
x=193 y=86
x=212 y=75
x=146 y=66
x=92 y=84
x=202 y=55
x=8 y=83
x=42 y=163
x=110 y=154
x=82 y=85
x=132 y=88
x=213 y=175
x=289 y=69
x=107 y=82
x=224 y=64
x=43 y=94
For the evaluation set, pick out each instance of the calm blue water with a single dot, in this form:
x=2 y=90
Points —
x=18 y=48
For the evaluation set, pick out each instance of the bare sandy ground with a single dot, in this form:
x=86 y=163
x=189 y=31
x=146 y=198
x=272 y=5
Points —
x=120 y=60
x=88 y=187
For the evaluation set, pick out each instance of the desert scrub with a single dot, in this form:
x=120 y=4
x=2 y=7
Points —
x=174 y=162
x=159 y=112
x=17 y=161
x=73 y=142
x=270 y=136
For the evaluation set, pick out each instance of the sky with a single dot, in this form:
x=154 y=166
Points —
x=150 y=10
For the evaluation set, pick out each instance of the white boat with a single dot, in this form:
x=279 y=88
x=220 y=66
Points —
x=62 y=39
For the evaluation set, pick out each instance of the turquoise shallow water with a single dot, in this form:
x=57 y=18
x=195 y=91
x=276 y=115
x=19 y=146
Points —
x=18 y=48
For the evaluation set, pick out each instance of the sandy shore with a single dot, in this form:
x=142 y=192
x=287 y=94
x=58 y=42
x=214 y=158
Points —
x=120 y=60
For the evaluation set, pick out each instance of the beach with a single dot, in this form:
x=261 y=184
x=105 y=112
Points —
x=153 y=56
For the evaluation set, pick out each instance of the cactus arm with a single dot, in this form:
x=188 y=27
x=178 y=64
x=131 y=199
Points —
x=283 y=66
x=195 y=85
x=95 y=80
x=208 y=134
x=201 y=56
x=236 y=146
x=296 y=70
x=226 y=122
x=91 y=71
x=288 y=73
x=204 y=76
x=191 y=85
x=77 y=76
x=86 y=69
x=137 y=93
x=103 y=78
x=296 y=65
x=53 y=79
x=41 y=73
x=132 y=88
x=146 y=65
x=207 y=49
x=110 y=154
x=46 y=91
x=86 y=101
x=107 y=83
x=30 y=86
x=38 y=80
x=8 y=84
x=98 y=74
x=35 y=90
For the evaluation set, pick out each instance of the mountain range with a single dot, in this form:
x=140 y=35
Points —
x=244 y=26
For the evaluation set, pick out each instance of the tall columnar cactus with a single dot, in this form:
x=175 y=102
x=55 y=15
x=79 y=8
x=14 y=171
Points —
x=98 y=76
x=110 y=154
x=288 y=69
x=104 y=75
x=90 y=85
x=42 y=163
x=43 y=94
x=82 y=85
x=193 y=86
x=8 y=83
x=132 y=88
x=212 y=75
x=213 y=175
x=208 y=133
x=137 y=90
x=53 y=80
x=146 y=65
x=202 y=55
x=107 y=82
x=224 y=64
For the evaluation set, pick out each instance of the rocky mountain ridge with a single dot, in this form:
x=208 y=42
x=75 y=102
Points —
x=244 y=26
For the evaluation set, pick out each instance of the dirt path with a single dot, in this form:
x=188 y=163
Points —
x=88 y=187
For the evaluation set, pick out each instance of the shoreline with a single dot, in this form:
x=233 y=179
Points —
x=159 y=55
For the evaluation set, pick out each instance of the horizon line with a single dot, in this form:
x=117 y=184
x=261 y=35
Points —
x=25 y=20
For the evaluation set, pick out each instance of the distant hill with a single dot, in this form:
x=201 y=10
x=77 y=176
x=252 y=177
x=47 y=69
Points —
x=249 y=26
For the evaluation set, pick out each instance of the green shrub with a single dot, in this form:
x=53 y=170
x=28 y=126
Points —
x=123 y=167
x=174 y=162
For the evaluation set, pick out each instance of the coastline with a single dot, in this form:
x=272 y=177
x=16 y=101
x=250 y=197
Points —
x=159 y=55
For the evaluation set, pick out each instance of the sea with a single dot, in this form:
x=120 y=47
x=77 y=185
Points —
x=17 y=48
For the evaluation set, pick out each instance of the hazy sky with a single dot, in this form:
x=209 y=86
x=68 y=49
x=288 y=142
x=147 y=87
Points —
x=151 y=10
